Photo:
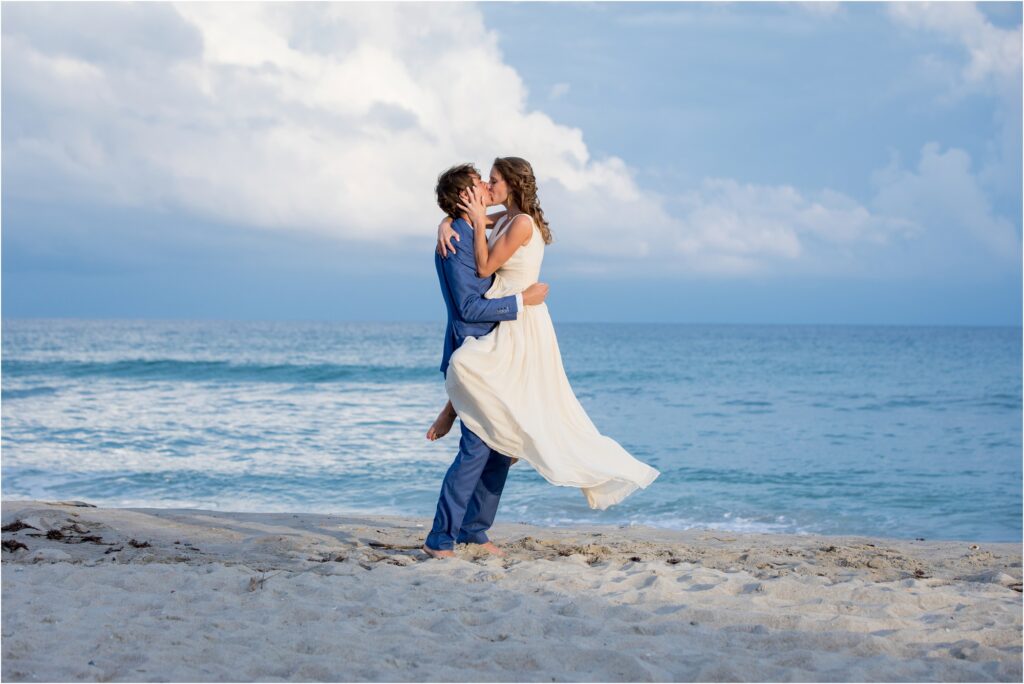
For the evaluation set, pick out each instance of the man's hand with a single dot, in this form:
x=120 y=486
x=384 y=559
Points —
x=444 y=237
x=535 y=294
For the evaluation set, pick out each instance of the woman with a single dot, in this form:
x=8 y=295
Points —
x=509 y=386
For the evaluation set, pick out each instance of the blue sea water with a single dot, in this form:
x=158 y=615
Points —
x=891 y=431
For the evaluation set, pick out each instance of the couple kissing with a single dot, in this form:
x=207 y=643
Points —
x=502 y=365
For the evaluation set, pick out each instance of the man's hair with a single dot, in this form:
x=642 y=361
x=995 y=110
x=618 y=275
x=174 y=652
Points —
x=450 y=184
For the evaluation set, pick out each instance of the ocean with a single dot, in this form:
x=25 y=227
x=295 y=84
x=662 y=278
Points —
x=907 y=432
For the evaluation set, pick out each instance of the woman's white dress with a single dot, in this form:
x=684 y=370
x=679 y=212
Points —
x=509 y=387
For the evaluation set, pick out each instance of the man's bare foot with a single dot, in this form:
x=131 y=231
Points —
x=493 y=549
x=442 y=425
x=438 y=553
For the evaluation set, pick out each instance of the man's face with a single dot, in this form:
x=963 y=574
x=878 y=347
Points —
x=482 y=189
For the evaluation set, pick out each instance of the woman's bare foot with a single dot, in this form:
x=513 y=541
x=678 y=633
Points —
x=438 y=553
x=442 y=425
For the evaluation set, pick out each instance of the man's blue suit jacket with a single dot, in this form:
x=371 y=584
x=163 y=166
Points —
x=469 y=314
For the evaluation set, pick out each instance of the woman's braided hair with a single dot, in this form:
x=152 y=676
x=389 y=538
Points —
x=522 y=189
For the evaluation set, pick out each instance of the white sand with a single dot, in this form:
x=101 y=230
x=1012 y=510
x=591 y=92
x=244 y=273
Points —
x=564 y=605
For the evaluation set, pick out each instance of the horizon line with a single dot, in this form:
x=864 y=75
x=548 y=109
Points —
x=570 y=322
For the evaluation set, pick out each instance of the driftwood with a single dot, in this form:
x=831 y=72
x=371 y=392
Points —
x=397 y=547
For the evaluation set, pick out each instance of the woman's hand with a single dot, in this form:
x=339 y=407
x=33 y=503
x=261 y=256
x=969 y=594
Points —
x=444 y=237
x=475 y=205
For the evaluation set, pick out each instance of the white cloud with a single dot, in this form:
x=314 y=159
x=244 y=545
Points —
x=331 y=117
x=992 y=66
x=337 y=118
x=944 y=196
x=993 y=52
x=727 y=228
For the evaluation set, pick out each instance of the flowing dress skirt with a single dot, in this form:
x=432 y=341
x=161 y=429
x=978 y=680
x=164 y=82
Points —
x=509 y=387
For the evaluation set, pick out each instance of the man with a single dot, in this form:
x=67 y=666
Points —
x=474 y=481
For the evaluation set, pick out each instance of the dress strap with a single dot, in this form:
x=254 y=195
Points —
x=522 y=213
x=507 y=221
x=499 y=226
x=503 y=223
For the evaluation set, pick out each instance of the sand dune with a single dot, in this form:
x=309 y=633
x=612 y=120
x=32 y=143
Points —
x=160 y=594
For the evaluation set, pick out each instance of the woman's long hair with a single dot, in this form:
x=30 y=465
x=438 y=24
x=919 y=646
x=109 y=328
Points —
x=522 y=189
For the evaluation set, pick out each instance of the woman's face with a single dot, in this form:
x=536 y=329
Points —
x=499 y=188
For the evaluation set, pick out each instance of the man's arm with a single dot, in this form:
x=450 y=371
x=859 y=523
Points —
x=471 y=305
x=445 y=232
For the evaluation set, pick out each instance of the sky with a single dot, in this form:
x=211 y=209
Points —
x=768 y=163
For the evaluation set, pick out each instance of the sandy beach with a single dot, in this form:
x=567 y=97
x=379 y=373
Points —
x=141 y=594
